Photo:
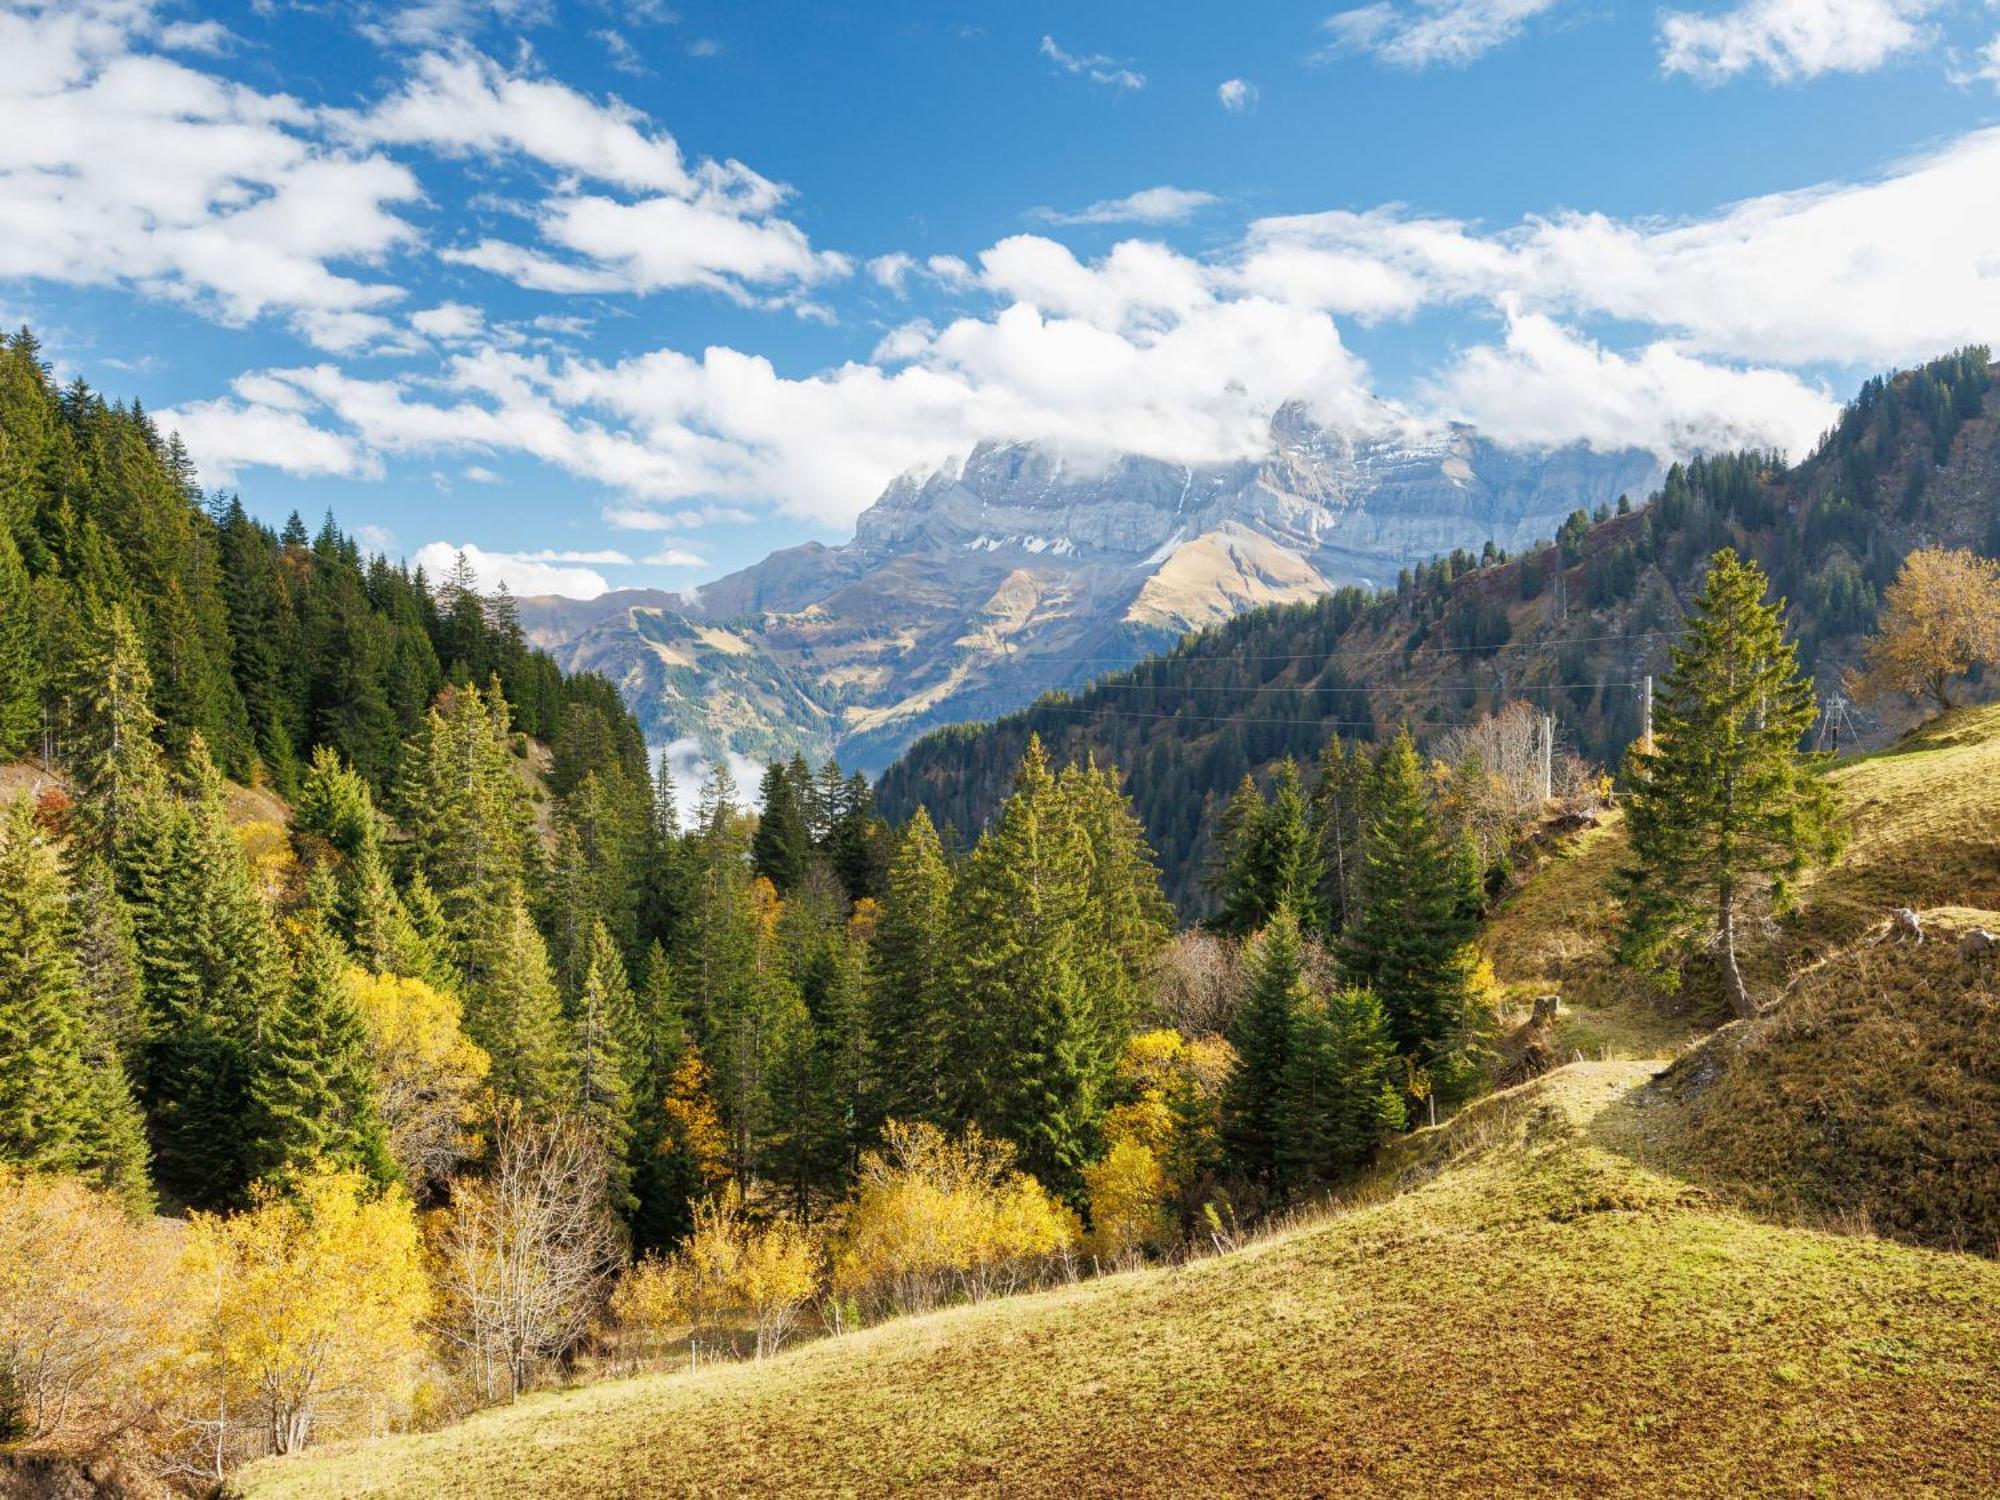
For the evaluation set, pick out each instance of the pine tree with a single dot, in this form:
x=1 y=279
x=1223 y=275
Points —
x=112 y=755
x=516 y=1014
x=1030 y=1037
x=912 y=1008
x=20 y=666
x=858 y=843
x=42 y=1002
x=1339 y=794
x=1262 y=1032
x=1271 y=855
x=607 y=1049
x=212 y=975
x=1726 y=811
x=1412 y=939
x=312 y=1085
x=1339 y=1096
x=782 y=846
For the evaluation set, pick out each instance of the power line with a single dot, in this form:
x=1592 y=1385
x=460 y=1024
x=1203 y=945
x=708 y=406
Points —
x=1126 y=664
x=1170 y=689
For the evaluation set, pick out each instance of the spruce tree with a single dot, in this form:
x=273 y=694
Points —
x=1271 y=855
x=607 y=1049
x=1725 y=812
x=1338 y=799
x=111 y=752
x=516 y=1014
x=1262 y=1032
x=912 y=1004
x=782 y=846
x=42 y=1002
x=20 y=666
x=1340 y=1094
x=1412 y=939
x=1030 y=1038
x=313 y=1088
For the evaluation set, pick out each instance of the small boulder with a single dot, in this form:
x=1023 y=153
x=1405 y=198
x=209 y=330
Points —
x=1978 y=943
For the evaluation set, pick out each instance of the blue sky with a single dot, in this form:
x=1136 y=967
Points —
x=622 y=292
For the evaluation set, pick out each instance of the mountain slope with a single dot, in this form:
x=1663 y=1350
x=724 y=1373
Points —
x=969 y=590
x=1571 y=628
x=1542 y=1317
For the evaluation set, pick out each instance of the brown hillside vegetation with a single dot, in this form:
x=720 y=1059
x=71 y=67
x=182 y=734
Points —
x=1541 y=1317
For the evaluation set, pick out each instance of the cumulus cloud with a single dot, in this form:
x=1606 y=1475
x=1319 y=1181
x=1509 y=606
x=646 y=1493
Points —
x=1451 y=33
x=677 y=557
x=519 y=571
x=1792 y=40
x=1095 y=66
x=1154 y=205
x=226 y=436
x=1237 y=95
x=119 y=166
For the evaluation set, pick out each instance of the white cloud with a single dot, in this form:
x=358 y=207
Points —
x=602 y=557
x=1237 y=95
x=677 y=557
x=892 y=270
x=1547 y=386
x=641 y=518
x=1793 y=39
x=225 y=436
x=375 y=538
x=122 y=167
x=518 y=571
x=621 y=54
x=1893 y=269
x=451 y=321
x=1095 y=66
x=478 y=474
x=1453 y=33
x=1155 y=205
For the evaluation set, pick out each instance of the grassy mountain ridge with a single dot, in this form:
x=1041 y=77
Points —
x=1571 y=627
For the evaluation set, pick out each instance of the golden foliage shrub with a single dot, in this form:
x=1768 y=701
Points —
x=933 y=1214
x=1163 y=1142
x=731 y=1271
x=306 y=1320
x=427 y=1073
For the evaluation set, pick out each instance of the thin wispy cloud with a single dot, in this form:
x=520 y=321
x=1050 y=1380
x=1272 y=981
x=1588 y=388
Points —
x=1237 y=95
x=1095 y=66
x=1430 y=33
x=1155 y=205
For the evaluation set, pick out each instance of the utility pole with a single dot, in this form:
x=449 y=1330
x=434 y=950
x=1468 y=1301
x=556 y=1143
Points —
x=1646 y=713
x=1548 y=757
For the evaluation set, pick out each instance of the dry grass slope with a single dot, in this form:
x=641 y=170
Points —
x=1541 y=1317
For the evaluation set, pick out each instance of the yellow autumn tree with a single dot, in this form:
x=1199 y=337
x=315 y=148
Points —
x=694 y=1128
x=308 y=1313
x=427 y=1073
x=86 y=1297
x=932 y=1213
x=731 y=1270
x=1939 y=619
x=1161 y=1140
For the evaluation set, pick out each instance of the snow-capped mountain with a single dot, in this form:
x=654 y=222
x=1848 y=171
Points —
x=967 y=591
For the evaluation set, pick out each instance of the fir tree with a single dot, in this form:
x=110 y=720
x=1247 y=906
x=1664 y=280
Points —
x=516 y=1014
x=42 y=1002
x=1262 y=1032
x=1412 y=940
x=607 y=1049
x=1726 y=811
x=1030 y=1038
x=1340 y=1096
x=1271 y=855
x=1339 y=795
x=912 y=1003
x=20 y=668
x=312 y=1086
x=111 y=751
x=782 y=846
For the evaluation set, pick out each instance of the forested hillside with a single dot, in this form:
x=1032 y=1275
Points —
x=1570 y=628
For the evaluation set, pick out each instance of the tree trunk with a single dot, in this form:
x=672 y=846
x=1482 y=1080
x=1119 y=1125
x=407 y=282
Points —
x=1732 y=976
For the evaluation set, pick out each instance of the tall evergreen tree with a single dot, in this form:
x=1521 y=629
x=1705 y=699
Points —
x=1338 y=799
x=782 y=847
x=313 y=1087
x=608 y=1050
x=1725 y=811
x=1271 y=855
x=1030 y=1034
x=1412 y=941
x=515 y=1012
x=42 y=1002
x=912 y=1000
x=113 y=757
x=20 y=666
x=1253 y=1100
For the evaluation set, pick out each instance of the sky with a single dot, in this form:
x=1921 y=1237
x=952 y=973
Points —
x=629 y=293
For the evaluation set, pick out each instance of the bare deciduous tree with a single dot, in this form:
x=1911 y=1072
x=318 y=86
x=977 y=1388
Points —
x=527 y=1252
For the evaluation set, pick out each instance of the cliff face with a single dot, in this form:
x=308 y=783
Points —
x=968 y=591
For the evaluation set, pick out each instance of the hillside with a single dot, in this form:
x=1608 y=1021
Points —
x=972 y=587
x=1647 y=1276
x=1571 y=628
x=1544 y=1317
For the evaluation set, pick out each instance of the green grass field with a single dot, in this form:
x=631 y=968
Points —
x=1622 y=1278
